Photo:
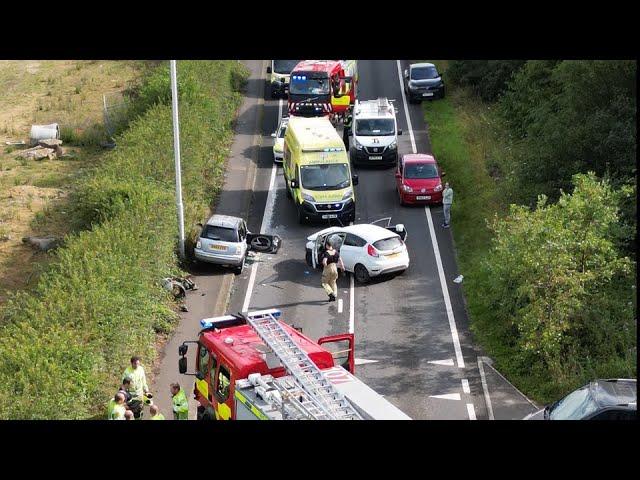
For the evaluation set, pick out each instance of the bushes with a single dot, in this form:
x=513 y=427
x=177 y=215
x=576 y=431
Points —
x=64 y=345
x=487 y=78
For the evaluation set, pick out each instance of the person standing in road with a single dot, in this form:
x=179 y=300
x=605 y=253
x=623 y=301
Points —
x=346 y=128
x=155 y=413
x=180 y=403
x=447 y=200
x=330 y=261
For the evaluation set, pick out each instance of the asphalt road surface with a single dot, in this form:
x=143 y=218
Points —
x=400 y=323
x=412 y=339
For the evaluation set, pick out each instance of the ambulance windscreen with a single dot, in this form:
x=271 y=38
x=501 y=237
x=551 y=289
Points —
x=334 y=176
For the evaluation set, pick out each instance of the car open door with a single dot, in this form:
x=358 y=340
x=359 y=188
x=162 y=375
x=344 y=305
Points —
x=317 y=246
x=261 y=242
x=398 y=228
x=343 y=350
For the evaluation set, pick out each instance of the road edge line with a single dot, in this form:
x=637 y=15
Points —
x=515 y=388
x=485 y=388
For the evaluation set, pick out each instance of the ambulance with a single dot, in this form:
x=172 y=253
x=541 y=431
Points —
x=279 y=72
x=316 y=171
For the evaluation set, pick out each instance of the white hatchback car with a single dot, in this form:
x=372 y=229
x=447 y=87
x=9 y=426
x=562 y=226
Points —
x=366 y=250
x=278 y=145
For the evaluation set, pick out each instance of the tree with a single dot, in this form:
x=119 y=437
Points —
x=487 y=78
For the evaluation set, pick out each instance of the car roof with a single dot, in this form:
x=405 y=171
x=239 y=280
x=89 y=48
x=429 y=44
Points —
x=225 y=221
x=614 y=392
x=316 y=65
x=371 y=233
x=421 y=65
x=418 y=157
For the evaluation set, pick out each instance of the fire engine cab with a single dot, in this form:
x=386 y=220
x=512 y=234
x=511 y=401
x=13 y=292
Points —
x=255 y=367
x=321 y=88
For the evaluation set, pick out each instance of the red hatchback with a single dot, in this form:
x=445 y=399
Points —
x=418 y=180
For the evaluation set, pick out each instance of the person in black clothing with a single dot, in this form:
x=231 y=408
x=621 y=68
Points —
x=346 y=128
x=330 y=262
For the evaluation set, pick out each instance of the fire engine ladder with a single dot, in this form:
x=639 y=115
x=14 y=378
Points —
x=322 y=398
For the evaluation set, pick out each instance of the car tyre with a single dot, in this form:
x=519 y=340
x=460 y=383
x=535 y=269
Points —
x=361 y=273
x=301 y=219
x=308 y=258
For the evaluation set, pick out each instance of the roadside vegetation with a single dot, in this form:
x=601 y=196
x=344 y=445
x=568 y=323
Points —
x=541 y=157
x=65 y=343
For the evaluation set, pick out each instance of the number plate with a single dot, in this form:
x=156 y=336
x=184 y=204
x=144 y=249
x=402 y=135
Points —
x=375 y=157
x=423 y=197
x=428 y=94
x=218 y=247
x=393 y=255
x=330 y=215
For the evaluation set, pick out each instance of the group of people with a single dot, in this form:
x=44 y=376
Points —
x=133 y=394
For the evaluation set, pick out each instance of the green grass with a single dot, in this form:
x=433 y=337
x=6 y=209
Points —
x=64 y=345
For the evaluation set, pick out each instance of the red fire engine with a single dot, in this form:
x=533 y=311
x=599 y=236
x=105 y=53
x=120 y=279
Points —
x=254 y=366
x=321 y=88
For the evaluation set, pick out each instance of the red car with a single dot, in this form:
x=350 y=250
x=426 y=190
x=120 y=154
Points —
x=418 y=180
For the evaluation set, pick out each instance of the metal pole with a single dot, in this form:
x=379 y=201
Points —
x=176 y=150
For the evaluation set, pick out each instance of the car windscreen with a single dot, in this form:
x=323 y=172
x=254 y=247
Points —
x=284 y=67
x=387 y=243
x=374 y=126
x=574 y=406
x=424 y=73
x=223 y=234
x=420 y=170
x=310 y=83
x=334 y=176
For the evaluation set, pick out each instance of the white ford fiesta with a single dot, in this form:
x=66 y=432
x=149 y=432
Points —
x=367 y=250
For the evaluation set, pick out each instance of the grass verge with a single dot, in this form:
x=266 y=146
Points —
x=100 y=301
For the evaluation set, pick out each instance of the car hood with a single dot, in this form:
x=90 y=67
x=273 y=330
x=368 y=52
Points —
x=426 y=82
x=382 y=141
x=422 y=182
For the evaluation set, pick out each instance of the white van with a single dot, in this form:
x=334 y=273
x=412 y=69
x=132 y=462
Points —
x=375 y=133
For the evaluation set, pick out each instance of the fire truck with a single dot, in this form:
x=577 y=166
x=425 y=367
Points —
x=254 y=366
x=322 y=88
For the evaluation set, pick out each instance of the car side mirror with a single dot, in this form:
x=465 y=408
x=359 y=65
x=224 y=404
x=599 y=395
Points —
x=199 y=375
x=406 y=74
x=398 y=174
x=273 y=135
x=400 y=132
x=182 y=365
x=183 y=349
x=268 y=69
x=354 y=179
x=295 y=184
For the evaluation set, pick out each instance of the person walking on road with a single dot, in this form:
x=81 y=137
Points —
x=155 y=413
x=180 y=403
x=447 y=200
x=330 y=262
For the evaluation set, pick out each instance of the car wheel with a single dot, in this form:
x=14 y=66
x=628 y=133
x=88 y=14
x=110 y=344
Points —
x=361 y=273
x=301 y=219
x=308 y=258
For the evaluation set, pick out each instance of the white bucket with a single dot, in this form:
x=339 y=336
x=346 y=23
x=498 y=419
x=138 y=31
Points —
x=44 y=132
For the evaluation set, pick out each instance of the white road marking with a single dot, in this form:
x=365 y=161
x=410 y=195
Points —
x=339 y=305
x=406 y=109
x=486 y=360
x=363 y=361
x=465 y=386
x=471 y=411
x=448 y=362
x=434 y=241
x=445 y=290
x=266 y=221
x=351 y=304
x=447 y=396
x=485 y=388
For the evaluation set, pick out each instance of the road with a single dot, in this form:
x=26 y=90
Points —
x=412 y=338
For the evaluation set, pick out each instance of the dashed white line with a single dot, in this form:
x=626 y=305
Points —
x=447 y=396
x=339 y=305
x=465 y=386
x=448 y=362
x=266 y=221
x=485 y=388
x=471 y=411
x=351 y=304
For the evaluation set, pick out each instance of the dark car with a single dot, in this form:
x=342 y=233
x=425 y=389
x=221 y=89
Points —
x=423 y=81
x=612 y=399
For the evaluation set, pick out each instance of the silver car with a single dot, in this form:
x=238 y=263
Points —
x=223 y=240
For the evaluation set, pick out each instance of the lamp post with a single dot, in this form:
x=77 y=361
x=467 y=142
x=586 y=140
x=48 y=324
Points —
x=176 y=151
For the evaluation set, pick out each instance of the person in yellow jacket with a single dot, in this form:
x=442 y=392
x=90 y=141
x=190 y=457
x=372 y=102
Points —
x=180 y=403
x=135 y=373
x=155 y=413
x=117 y=409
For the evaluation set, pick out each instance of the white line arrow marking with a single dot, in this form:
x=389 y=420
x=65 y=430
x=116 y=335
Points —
x=362 y=361
x=448 y=362
x=447 y=396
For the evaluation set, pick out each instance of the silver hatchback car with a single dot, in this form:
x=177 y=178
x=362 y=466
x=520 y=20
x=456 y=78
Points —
x=223 y=240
